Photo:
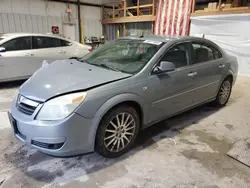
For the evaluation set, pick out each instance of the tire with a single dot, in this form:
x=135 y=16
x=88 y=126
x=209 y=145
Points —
x=113 y=140
x=225 y=90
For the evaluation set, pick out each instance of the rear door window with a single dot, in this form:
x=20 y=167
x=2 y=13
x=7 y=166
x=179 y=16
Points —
x=204 y=52
x=45 y=42
x=20 y=43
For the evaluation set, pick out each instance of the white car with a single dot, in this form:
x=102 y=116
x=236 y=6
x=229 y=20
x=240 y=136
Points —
x=21 y=54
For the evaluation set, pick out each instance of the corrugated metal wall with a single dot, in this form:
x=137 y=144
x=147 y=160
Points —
x=91 y=21
x=132 y=29
x=27 y=23
x=139 y=28
x=34 y=16
x=37 y=16
x=111 y=31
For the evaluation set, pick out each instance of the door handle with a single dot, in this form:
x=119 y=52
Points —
x=221 y=66
x=62 y=51
x=29 y=54
x=192 y=74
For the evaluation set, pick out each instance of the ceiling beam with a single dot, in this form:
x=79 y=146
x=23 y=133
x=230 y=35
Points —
x=81 y=3
x=129 y=19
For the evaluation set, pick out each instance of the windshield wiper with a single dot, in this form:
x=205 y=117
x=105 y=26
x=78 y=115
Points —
x=82 y=60
x=109 y=67
x=99 y=65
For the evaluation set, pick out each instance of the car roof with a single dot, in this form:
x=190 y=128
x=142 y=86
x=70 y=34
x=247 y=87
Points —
x=159 y=38
x=13 y=35
x=152 y=38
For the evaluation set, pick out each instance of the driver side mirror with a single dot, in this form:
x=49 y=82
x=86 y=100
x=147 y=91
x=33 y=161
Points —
x=164 y=66
x=2 y=49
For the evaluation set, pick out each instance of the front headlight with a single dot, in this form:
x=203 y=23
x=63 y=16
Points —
x=61 y=107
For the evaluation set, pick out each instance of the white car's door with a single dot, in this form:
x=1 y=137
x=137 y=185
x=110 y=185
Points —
x=68 y=49
x=47 y=48
x=15 y=60
x=73 y=49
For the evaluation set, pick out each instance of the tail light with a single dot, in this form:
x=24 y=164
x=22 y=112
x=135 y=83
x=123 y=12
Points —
x=91 y=49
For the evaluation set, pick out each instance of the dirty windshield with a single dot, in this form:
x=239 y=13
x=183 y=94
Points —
x=128 y=56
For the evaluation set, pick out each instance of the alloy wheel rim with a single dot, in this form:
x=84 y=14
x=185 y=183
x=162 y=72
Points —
x=224 y=92
x=119 y=132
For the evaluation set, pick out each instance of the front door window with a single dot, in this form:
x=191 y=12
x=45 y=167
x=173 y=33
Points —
x=21 y=43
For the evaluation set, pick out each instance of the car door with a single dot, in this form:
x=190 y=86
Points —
x=67 y=49
x=172 y=92
x=15 y=60
x=47 y=48
x=209 y=68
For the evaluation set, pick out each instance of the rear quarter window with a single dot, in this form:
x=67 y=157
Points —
x=65 y=43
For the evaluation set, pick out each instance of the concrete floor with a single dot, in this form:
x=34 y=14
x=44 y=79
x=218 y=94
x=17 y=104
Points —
x=186 y=151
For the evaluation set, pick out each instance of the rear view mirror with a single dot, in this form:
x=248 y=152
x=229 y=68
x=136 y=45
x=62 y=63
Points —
x=164 y=66
x=2 y=49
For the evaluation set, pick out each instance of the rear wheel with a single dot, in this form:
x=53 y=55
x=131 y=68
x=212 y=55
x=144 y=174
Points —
x=117 y=131
x=224 y=93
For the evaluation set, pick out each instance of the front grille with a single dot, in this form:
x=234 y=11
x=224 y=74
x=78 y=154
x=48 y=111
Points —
x=46 y=146
x=26 y=109
x=26 y=106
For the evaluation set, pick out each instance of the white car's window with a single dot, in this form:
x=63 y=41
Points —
x=45 y=42
x=178 y=55
x=65 y=43
x=1 y=39
x=21 y=43
x=203 y=53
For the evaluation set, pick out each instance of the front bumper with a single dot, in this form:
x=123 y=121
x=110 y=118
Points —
x=70 y=136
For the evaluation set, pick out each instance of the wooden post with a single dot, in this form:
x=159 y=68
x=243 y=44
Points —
x=138 y=4
x=153 y=11
x=113 y=11
x=124 y=29
x=79 y=20
x=125 y=8
x=219 y=6
x=103 y=26
x=193 y=6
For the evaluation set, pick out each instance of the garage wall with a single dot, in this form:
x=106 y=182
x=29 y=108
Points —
x=37 y=16
x=91 y=21
x=231 y=32
x=34 y=16
x=138 y=29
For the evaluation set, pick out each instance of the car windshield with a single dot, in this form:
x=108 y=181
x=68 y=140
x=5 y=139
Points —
x=124 y=55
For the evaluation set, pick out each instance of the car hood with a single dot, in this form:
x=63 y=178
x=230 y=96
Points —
x=66 y=76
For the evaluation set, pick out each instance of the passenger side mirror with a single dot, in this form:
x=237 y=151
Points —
x=164 y=66
x=2 y=49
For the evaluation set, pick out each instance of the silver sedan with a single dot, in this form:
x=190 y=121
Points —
x=101 y=101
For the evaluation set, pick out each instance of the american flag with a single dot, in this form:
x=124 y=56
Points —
x=173 y=17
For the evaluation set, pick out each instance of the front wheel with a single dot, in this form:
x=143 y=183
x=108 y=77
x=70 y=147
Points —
x=117 y=131
x=223 y=93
